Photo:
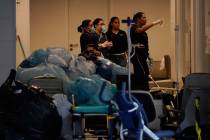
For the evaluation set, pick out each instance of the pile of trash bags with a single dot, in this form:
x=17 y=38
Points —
x=25 y=109
x=77 y=73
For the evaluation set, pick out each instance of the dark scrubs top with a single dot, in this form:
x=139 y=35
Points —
x=96 y=39
x=140 y=38
x=85 y=39
x=119 y=40
x=139 y=60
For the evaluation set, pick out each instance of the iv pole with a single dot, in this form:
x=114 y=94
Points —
x=128 y=21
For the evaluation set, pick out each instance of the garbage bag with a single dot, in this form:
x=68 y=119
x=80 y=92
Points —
x=25 y=75
x=57 y=60
x=61 y=52
x=118 y=70
x=27 y=113
x=36 y=58
x=80 y=67
x=87 y=90
x=63 y=105
x=104 y=69
x=109 y=70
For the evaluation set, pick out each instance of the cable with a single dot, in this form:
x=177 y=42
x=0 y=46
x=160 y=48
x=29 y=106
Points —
x=129 y=62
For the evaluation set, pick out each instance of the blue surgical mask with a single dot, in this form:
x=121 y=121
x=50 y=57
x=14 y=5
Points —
x=92 y=29
x=104 y=29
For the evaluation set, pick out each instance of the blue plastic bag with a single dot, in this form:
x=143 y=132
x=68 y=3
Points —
x=80 y=67
x=57 y=60
x=109 y=70
x=86 y=90
x=36 y=58
x=61 y=52
x=26 y=74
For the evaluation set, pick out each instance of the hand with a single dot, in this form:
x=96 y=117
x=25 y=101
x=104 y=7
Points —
x=159 y=21
x=107 y=44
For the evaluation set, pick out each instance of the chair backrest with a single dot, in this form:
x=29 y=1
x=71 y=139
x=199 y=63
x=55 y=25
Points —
x=144 y=97
x=131 y=120
x=197 y=85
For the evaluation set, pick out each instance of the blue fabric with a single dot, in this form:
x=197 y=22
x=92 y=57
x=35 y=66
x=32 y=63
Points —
x=36 y=58
x=127 y=120
x=131 y=120
x=165 y=133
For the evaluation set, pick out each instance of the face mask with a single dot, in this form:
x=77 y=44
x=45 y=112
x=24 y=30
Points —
x=92 y=29
x=104 y=29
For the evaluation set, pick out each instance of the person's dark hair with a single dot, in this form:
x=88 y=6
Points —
x=110 y=23
x=137 y=16
x=84 y=24
x=96 y=21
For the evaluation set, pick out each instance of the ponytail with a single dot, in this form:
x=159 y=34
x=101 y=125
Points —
x=84 y=25
x=80 y=29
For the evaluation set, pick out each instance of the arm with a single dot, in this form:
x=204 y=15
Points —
x=105 y=44
x=148 y=26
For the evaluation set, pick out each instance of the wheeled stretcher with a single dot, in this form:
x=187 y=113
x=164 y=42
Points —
x=96 y=121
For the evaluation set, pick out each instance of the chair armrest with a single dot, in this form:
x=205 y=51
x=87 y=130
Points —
x=169 y=108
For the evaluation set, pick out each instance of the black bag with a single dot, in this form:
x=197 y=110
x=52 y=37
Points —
x=26 y=113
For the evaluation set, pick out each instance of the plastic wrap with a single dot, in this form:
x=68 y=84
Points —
x=57 y=60
x=36 y=58
x=118 y=70
x=109 y=70
x=81 y=67
x=61 y=52
x=86 y=90
x=26 y=74
x=62 y=103
x=63 y=106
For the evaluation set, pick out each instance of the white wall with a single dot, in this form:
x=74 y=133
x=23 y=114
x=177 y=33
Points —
x=55 y=22
x=84 y=9
x=48 y=20
x=7 y=37
x=23 y=28
x=200 y=57
x=48 y=24
x=159 y=37
x=173 y=39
